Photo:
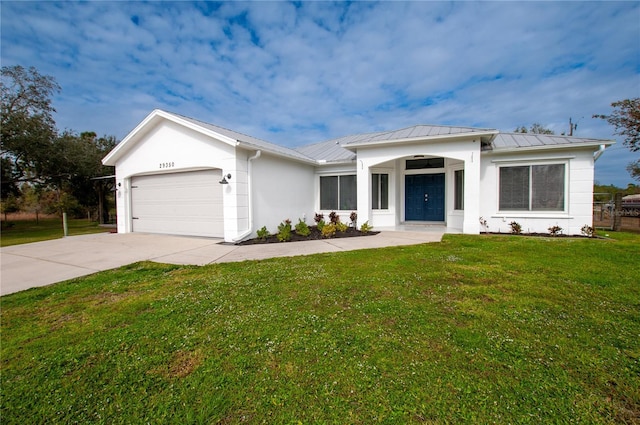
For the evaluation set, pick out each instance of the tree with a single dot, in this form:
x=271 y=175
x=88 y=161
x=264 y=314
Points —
x=33 y=152
x=77 y=163
x=27 y=126
x=536 y=128
x=626 y=120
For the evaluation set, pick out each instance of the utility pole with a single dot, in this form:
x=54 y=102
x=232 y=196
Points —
x=572 y=127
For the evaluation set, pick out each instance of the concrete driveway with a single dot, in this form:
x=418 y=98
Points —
x=43 y=263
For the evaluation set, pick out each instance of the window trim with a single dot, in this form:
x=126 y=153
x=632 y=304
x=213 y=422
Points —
x=530 y=164
x=455 y=189
x=339 y=177
x=379 y=191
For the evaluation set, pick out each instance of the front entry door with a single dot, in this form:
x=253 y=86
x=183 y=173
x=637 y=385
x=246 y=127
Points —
x=424 y=197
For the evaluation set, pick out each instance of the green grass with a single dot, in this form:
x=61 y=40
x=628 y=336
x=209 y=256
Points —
x=27 y=231
x=476 y=329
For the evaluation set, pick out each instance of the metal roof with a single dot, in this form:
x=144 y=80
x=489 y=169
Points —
x=250 y=140
x=342 y=149
x=531 y=140
x=421 y=131
x=332 y=150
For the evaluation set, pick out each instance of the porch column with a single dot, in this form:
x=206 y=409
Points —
x=471 y=223
x=364 y=191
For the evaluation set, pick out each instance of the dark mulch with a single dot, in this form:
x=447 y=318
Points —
x=315 y=235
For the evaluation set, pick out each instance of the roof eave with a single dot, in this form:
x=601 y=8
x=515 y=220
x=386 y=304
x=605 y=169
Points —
x=322 y=162
x=252 y=147
x=443 y=137
x=594 y=144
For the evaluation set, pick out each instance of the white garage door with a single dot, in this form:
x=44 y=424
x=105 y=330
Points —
x=188 y=203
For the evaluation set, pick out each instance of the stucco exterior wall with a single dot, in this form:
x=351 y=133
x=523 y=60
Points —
x=579 y=174
x=281 y=189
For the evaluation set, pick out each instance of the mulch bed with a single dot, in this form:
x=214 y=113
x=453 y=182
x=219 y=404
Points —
x=315 y=235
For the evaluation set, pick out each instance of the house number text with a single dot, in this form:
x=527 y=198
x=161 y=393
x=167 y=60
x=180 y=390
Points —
x=167 y=165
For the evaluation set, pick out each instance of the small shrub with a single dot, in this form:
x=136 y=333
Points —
x=516 y=228
x=328 y=230
x=483 y=223
x=341 y=227
x=320 y=225
x=587 y=231
x=334 y=217
x=555 y=230
x=366 y=227
x=354 y=219
x=263 y=233
x=284 y=231
x=302 y=229
x=318 y=217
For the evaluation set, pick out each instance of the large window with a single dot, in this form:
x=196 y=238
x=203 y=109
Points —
x=458 y=195
x=532 y=188
x=380 y=191
x=338 y=193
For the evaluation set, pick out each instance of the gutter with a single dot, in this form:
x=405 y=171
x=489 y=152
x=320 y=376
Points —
x=250 y=178
x=599 y=152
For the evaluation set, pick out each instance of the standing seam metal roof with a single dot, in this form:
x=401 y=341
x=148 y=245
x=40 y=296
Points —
x=528 y=140
x=333 y=150
x=253 y=141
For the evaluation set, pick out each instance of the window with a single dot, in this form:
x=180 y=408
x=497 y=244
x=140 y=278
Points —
x=338 y=193
x=380 y=191
x=458 y=189
x=422 y=163
x=532 y=188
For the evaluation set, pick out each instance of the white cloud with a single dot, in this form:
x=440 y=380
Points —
x=298 y=73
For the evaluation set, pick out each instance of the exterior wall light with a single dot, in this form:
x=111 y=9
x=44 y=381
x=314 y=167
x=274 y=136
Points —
x=224 y=179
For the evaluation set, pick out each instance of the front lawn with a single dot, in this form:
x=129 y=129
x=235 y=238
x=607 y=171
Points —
x=476 y=329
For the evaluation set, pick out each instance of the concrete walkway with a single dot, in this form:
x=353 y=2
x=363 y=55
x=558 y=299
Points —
x=43 y=263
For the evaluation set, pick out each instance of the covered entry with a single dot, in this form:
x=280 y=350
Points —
x=185 y=203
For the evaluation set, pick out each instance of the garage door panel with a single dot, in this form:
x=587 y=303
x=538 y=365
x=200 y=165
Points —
x=188 y=203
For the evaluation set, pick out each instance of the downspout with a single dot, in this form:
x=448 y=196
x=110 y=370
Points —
x=598 y=153
x=250 y=195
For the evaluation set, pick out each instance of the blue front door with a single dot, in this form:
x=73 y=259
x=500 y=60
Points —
x=424 y=197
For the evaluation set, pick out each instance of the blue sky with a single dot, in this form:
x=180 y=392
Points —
x=299 y=73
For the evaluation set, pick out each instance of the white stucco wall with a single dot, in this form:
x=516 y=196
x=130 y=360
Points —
x=579 y=174
x=282 y=189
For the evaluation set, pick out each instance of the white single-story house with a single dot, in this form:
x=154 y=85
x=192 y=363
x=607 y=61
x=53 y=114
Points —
x=177 y=175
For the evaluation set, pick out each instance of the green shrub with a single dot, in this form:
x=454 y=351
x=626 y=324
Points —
x=263 y=233
x=302 y=229
x=516 y=228
x=588 y=231
x=354 y=219
x=483 y=223
x=341 y=227
x=328 y=230
x=334 y=217
x=284 y=231
x=320 y=225
x=366 y=227
x=555 y=230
